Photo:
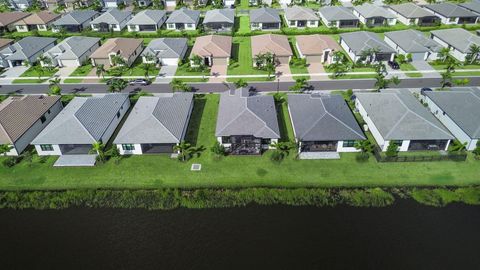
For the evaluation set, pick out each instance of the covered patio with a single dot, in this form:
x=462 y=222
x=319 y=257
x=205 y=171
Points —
x=76 y=161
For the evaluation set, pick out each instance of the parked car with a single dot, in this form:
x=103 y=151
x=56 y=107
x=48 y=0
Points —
x=393 y=65
x=142 y=82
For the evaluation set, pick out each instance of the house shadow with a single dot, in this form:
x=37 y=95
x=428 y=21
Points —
x=282 y=124
x=195 y=120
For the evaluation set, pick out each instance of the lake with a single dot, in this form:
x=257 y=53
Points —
x=404 y=236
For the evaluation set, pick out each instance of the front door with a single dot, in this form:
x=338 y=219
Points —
x=301 y=23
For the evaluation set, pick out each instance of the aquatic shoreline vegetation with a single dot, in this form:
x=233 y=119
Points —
x=223 y=198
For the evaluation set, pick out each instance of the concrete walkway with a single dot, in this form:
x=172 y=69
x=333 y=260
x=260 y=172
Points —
x=92 y=73
x=317 y=68
x=166 y=71
x=64 y=72
x=319 y=155
x=284 y=69
x=11 y=73
x=424 y=65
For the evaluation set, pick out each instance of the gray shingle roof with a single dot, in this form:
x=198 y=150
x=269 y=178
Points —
x=362 y=40
x=472 y=6
x=368 y=10
x=220 y=15
x=413 y=41
x=166 y=47
x=264 y=15
x=336 y=13
x=148 y=17
x=72 y=47
x=450 y=10
x=83 y=121
x=26 y=47
x=241 y=114
x=398 y=115
x=300 y=13
x=410 y=10
x=76 y=17
x=322 y=118
x=159 y=119
x=461 y=105
x=458 y=38
x=112 y=16
x=184 y=15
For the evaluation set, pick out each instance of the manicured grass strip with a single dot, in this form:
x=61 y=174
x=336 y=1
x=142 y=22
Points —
x=20 y=81
x=82 y=71
x=72 y=80
x=410 y=67
x=183 y=70
x=243 y=24
x=242 y=58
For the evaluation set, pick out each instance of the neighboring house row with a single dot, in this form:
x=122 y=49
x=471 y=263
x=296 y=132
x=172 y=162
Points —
x=317 y=48
x=25 y=51
x=112 y=20
x=40 y=21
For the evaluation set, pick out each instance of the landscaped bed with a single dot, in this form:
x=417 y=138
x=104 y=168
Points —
x=157 y=171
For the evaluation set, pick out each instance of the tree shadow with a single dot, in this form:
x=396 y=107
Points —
x=195 y=120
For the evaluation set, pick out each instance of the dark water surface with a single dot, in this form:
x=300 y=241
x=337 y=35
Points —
x=405 y=236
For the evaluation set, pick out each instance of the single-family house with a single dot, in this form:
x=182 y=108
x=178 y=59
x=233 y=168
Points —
x=8 y=20
x=183 y=19
x=357 y=43
x=112 y=20
x=277 y=45
x=300 y=17
x=246 y=124
x=75 y=21
x=155 y=124
x=338 y=16
x=72 y=52
x=317 y=48
x=23 y=117
x=214 y=49
x=83 y=122
x=411 y=14
x=473 y=6
x=114 y=3
x=144 y=3
x=228 y=3
x=413 y=42
x=74 y=4
x=458 y=40
x=260 y=2
x=265 y=19
x=219 y=20
x=147 y=21
x=452 y=14
x=165 y=51
x=40 y=21
x=5 y=42
x=171 y=4
x=27 y=49
x=456 y=109
x=372 y=15
x=52 y=4
x=20 y=5
x=323 y=123
x=397 y=116
x=126 y=48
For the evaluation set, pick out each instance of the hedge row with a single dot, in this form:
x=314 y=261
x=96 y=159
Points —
x=221 y=198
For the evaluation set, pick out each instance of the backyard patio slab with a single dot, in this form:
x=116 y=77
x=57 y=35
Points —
x=76 y=161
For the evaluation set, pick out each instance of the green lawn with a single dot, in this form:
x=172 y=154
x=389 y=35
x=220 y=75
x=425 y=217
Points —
x=137 y=69
x=82 y=71
x=242 y=61
x=183 y=70
x=355 y=76
x=243 y=25
x=32 y=72
x=458 y=70
x=20 y=81
x=409 y=67
x=72 y=80
x=297 y=67
x=156 y=171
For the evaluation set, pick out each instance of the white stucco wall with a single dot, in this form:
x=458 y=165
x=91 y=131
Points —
x=340 y=148
x=454 y=52
x=56 y=151
x=137 y=151
x=371 y=126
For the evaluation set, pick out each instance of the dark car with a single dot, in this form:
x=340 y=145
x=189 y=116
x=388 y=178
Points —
x=142 y=82
x=393 y=64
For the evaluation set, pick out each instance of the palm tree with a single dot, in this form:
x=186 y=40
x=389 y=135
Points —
x=5 y=148
x=364 y=146
x=473 y=53
x=55 y=88
x=147 y=68
x=300 y=84
x=117 y=85
x=444 y=54
x=240 y=83
x=457 y=146
x=40 y=71
x=100 y=71
x=179 y=85
x=184 y=150
x=118 y=60
x=283 y=147
x=446 y=77
x=99 y=149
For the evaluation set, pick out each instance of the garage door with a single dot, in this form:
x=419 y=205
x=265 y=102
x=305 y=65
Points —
x=418 y=56
x=69 y=63
x=283 y=59
x=102 y=61
x=169 y=61
x=314 y=59
x=220 y=61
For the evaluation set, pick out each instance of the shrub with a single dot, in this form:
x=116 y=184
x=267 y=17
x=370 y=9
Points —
x=218 y=149
x=362 y=157
x=375 y=197
x=392 y=149
x=276 y=156
x=434 y=197
x=10 y=161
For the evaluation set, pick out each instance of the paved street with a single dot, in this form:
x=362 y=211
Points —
x=219 y=87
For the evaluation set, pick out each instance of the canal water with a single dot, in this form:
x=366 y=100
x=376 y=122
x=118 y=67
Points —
x=404 y=236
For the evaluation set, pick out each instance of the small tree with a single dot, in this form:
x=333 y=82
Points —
x=446 y=78
x=300 y=84
x=184 y=151
x=392 y=149
x=457 y=146
x=444 y=54
x=98 y=148
x=240 y=83
x=473 y=53
x=476 y=151
x=365 y=148
x=100 y=71
x=218 y=149
x=54 y=87
x=147 y=68
x=282 y=150
x=5 y=148
x=461 y=82
x=197 y=62
x=179 y=85
x=117 y=85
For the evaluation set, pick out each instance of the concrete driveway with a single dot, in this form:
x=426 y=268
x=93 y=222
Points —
x=9 y=75
x=317 y=67
x=64 y=72
x=283 y=69
x=424 y=65
x=166 y=71
x=218 y=70
x=397 y=73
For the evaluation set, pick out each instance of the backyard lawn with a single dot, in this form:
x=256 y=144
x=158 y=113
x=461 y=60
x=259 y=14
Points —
x=243 y=24
x=242 y=61
x=158 y=171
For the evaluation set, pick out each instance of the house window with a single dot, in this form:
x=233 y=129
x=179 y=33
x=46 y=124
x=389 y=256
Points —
x=118 y=114
x=311 y=23
x=255 y=25
x=46 y=147
x=43 y=119
x=348 y=143
x=226 y=139
x=171 y=25
x=452 y=19
x=189 y=25
x=398 y=142
x=266 y=141
x=128 y=147
x=292 y=23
